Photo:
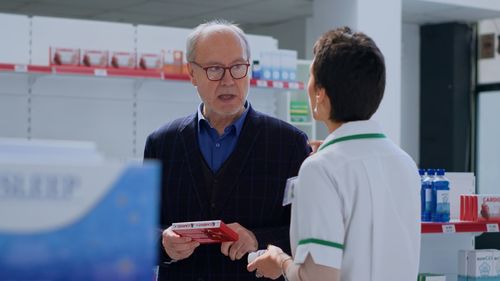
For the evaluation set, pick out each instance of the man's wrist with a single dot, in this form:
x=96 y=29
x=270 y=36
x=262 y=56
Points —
x=171 y=261
x=167 y=259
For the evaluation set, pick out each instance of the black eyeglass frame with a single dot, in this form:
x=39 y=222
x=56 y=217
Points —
x=225 y=68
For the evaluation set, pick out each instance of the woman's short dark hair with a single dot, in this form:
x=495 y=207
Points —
x=351 y=69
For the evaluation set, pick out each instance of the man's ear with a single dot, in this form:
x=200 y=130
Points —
x=191 y=75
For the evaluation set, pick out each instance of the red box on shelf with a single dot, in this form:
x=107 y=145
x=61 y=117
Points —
x=150 y=61
x=205 y=232
x=122 y=60
x=94 y=58
x=64 y=56
x=480 y=207
x=173 y=62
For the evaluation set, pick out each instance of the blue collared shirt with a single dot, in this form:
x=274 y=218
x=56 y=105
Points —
x=214 y=148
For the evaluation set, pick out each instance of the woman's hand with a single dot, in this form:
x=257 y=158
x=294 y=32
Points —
x=314 y=144
x=270 y=263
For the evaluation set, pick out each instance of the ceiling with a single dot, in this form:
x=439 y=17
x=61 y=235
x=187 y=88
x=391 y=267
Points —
x=178 y=13
x=248 y=13
x=436 y=11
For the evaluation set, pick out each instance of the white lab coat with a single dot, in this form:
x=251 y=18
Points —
x=356 y=208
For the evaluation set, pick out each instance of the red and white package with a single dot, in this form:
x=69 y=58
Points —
x=150 y=61
x=173 y=61
x=94 y=58
x=480 y=207
x=205 y=232
x=64 y=56
x=122 y=60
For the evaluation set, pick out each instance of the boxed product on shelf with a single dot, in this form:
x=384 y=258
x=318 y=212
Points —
x=299 y=111
x=278 y=65
x=479 y=265
x=122 y=60
x=256 y=70
x=480 y=207
x=288 y=65
x=266 y=66
x=173 y=62
x=148 y=61
x=275 y=65
x=64 y=56
x=431 y=277
x=94 y=58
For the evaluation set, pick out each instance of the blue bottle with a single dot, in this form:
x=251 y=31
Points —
x=426 y=194
x=441 y=197
x=256 y=70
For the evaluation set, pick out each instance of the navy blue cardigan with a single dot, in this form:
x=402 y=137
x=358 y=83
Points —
x=248 y=190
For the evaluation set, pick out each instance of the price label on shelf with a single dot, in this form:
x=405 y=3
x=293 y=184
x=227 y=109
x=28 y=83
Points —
x=100 y=72
x=262 y=83
x=21 y=68
x=449 y=228
x=492 y=227
x=293 y=85
x=278 y=84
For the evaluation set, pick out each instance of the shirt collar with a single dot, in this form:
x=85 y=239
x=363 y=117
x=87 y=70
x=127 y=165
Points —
x=354 y=128
x=238 y=124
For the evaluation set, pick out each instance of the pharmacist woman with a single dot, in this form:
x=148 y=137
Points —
x=356 y=205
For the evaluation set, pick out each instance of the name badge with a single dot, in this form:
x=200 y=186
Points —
x=289 y=188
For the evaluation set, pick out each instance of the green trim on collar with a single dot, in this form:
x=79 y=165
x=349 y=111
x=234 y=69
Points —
x=353 y=137
x=321 y=242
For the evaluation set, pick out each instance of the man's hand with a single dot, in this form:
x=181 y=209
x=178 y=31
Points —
x=178 y=247
x=246 y=243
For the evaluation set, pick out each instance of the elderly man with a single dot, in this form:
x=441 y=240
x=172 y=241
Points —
x=226 y=161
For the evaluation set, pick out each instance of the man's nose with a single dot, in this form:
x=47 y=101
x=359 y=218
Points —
x=227 y=79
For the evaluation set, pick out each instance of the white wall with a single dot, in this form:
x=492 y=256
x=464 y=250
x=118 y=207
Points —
x=365 y=16
x=410 y=91
x=290 y=35
x=386 y=31
x=15 y=39
x=488 y=140
x=328 y=14
x=488 y=104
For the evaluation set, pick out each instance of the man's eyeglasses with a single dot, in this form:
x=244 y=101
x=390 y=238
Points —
x=216 y=73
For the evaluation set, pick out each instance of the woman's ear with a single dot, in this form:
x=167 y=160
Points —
x=191 y=75
x=320 y=95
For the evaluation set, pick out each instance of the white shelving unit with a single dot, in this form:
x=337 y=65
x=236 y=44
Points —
x=309 y=126
x=115 y=108
x=441 y=242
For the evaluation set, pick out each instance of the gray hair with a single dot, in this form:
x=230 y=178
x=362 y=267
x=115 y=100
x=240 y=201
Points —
x=193 y=37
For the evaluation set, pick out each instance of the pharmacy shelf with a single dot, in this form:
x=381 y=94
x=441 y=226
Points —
x=277 y=84
x=133 y=73
x=459 y=226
